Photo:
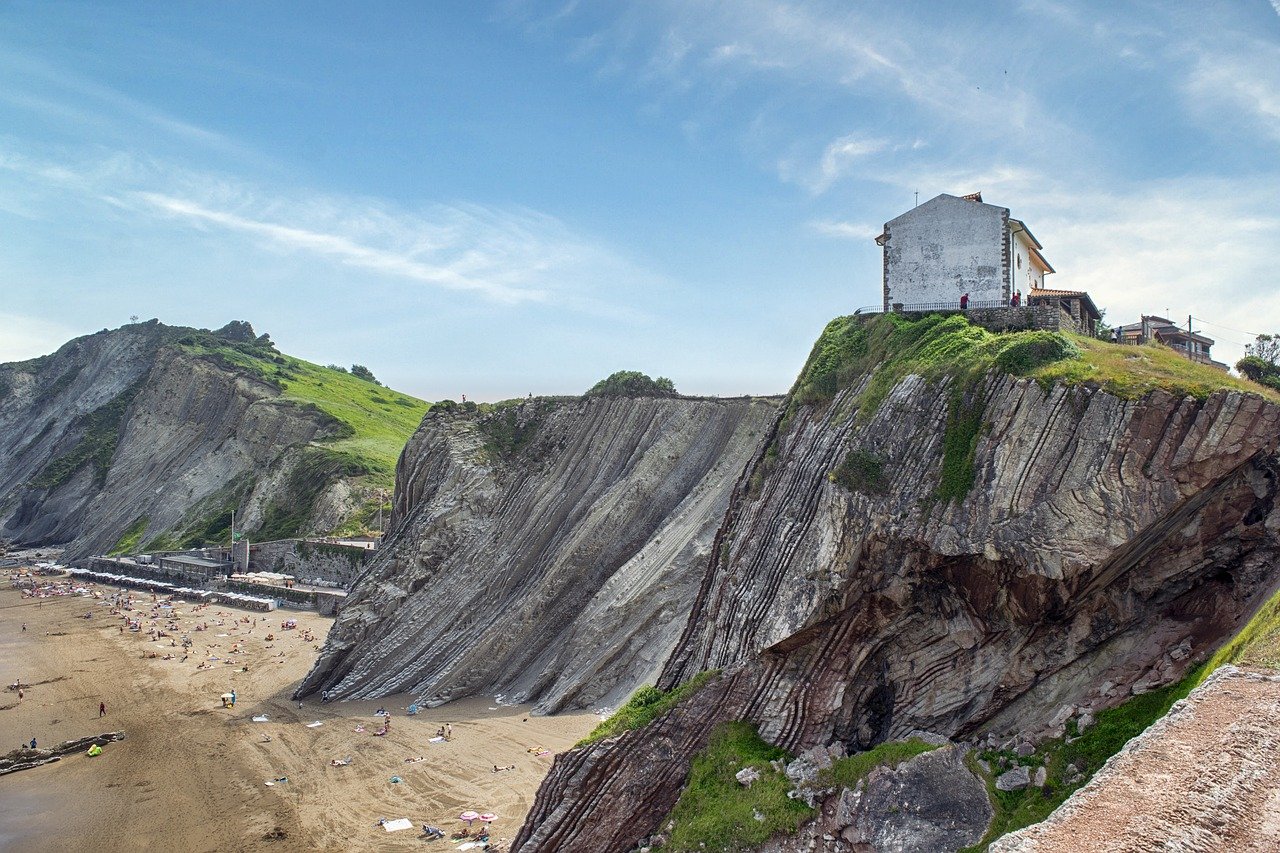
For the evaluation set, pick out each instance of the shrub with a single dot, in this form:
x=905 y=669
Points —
x=359 y=371
x=632 y=383
x=861 y=472
x=646 y=705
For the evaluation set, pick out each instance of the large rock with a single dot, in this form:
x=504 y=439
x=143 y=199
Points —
x=1099 y=534
x=558 y=568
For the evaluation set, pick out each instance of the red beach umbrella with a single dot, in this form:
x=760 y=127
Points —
x=488 y=817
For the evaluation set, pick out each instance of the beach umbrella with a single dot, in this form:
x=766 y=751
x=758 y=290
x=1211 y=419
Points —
x=488 y=817
x=469 y=816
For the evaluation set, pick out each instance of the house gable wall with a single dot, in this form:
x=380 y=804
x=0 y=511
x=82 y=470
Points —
x=944 y=248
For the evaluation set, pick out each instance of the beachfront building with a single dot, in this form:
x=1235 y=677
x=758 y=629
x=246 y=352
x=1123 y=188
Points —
x=1153 y=329
x=950 y=246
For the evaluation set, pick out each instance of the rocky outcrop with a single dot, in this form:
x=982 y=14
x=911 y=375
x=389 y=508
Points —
x=549 y=553
x=124 y=430
x=25 y=758
x=929 y=803
x=1105 y=543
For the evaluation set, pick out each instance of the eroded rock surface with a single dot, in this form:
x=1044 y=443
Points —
x=120 y=426
x=1106 y=545
x=931 y=803
x=549 y=553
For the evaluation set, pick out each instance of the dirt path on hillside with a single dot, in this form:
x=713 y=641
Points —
x=1204 y=778
x=191 y=775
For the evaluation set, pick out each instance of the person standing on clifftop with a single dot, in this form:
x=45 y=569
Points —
x=964 y=302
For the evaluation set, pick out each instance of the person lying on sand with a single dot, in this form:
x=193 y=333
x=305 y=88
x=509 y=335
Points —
x=497 y=769
x=413 y=760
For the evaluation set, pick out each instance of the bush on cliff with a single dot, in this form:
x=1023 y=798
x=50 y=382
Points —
x=632 y=383
x=646 y=705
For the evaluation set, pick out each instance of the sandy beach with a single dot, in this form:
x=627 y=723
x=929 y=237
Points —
x=191 y=774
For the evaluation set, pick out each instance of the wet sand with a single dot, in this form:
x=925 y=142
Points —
x=191 y=775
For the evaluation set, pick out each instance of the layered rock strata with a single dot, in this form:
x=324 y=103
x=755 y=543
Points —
x=1106 y=545
x=121 y=428
x=557 y=569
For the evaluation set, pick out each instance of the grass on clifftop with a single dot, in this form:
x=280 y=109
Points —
x=646 y=705
x=1113 y=728
x=377 y=420
x=1131 y=371
x=715 y=812
x=893 y=346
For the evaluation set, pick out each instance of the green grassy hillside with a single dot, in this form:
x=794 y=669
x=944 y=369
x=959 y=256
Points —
x=374 y=421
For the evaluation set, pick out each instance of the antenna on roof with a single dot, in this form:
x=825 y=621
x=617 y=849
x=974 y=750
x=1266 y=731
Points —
x=917 y=204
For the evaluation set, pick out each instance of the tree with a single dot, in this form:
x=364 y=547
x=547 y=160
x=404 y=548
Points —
x=359 y=371
x=1262 y=361
x=1266 y=348
x=632 y=383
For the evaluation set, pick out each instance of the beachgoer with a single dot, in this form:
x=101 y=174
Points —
x=102 y=710
x=448 y=730
x=33 y=743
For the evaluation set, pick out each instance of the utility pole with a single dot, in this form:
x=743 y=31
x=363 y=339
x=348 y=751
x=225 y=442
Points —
x=1188 y=324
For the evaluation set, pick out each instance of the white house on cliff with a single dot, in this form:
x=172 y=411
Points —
x=949 y=246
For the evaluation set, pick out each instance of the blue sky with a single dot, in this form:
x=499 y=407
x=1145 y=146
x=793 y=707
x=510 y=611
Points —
x=496 y=198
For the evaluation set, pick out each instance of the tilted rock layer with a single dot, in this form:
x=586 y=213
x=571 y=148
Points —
x=558 y=569
x=121 y=425
x=1105 y=546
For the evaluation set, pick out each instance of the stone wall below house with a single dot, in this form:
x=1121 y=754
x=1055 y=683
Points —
x=310 y=561
x=1044 y=317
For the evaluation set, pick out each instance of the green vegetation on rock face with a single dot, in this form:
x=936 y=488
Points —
x=1087 y=752
x=960 y=442
x=888 y=347
x=510 y=425
x=847 y=772
x=716 y=812
x=128 y=541
x=99 y=433
x=632 y=383
x=1257 y=644
x=286 y=516
x=861 y=472
x=372 y=422
x=646 y=705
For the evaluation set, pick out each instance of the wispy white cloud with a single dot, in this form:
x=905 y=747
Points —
x=56 y=92
x=1229 y=85
x=505 y=255
x=471 y=271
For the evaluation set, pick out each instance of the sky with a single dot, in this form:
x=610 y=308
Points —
x=511 y=197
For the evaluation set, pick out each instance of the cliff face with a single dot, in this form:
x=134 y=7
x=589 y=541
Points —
x=1104 y=546
x=123 y=433
x=549 y=552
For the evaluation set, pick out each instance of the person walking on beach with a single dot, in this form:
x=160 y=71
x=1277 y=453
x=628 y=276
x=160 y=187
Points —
x=102 y=710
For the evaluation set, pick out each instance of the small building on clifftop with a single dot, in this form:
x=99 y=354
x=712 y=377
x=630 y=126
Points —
x=950 y=246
